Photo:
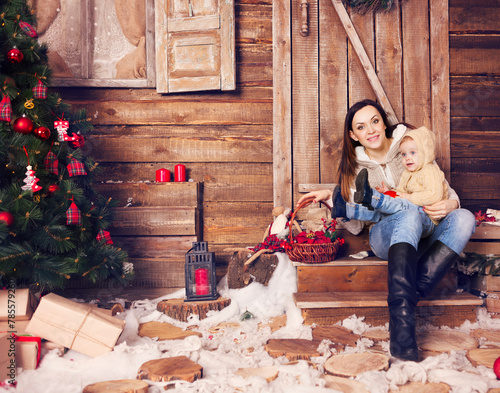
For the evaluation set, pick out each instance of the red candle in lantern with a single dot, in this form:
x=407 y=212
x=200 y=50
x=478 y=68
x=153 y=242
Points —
x=180 y=173
x=201 y=279
x=162 y=175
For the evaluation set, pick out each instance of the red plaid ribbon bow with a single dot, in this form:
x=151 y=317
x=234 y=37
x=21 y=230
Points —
x=104 y=235
x=40 y=90
x=76 y=168
x=5 y=109
x=73 y=215
x=51 y=163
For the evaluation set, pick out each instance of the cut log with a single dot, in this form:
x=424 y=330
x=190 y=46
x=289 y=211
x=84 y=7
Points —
x=223 y=326
x=445 y=341
x=259 y=271
x=483 y=356
x=181 y=310
x=336 y=334
x=344 y=385
x=275 y=323
x=119 y=386
x=170 y=369
x=419 y=387
x=376 y=334
x=164 y=331
x=489 y=335
x=269 y=373
x=292 y=349
x=353 y=364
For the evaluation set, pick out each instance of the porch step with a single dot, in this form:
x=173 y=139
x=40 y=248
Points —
x=328 y=308
x=354 y=275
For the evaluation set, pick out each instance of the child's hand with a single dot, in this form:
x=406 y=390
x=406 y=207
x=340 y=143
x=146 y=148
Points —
x=403 y=195
x=383 y=188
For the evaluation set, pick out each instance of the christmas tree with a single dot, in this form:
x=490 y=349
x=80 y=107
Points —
x=52 y=222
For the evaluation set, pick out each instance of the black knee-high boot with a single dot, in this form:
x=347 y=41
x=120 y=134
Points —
x=402 y=299
x=433 y=265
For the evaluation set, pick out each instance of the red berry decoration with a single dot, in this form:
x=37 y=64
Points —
x=7 y=217
x=23 y=125
x=42 y=132
x=53 y=188
x=496 y=368
x=15 y=55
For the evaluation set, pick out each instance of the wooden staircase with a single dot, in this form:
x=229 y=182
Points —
x=330 y=292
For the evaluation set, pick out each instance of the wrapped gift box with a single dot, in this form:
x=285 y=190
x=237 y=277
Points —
x=24 y=302
x=28 y=349
x=76 y=326
x=7 y=357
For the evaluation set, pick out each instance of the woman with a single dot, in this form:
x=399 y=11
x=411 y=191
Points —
x=418 y=258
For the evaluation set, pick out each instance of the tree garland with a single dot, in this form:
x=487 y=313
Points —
x=364 y=6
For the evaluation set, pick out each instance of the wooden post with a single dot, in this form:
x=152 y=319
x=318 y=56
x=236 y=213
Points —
x=365 y=61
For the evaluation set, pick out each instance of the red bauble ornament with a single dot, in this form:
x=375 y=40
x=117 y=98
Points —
x=53 y=188
x=496 y=368
x=23 y=125
x=15 y=55
x=77 y=142
x=42 y=132
x=7 y=217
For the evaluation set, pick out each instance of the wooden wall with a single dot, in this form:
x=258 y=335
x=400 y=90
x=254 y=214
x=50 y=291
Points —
x=475 y=102
x=223 y=138
x=226 y=139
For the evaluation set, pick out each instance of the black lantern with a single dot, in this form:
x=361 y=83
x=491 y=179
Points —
x=200 y=273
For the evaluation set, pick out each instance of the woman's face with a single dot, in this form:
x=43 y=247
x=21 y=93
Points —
x=368 y=128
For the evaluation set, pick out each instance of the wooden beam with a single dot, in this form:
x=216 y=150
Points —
x=440 y=81
x=365 y=61
x=282 y=104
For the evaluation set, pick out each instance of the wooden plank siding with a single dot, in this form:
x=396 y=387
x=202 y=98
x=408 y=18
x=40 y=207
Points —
x=223 y=138
x=475 y=102
x=238 y=147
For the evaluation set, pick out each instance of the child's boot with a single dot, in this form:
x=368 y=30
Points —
x=363 y=194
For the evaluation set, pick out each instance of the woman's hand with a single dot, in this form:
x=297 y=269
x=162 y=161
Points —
x=316 y=196
x=441 y=209
x=382 y=188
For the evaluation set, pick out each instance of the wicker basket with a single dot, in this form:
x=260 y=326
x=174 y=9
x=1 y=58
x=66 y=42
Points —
x=310 y=253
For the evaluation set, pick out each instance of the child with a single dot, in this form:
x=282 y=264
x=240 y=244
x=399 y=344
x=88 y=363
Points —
x=421 y=183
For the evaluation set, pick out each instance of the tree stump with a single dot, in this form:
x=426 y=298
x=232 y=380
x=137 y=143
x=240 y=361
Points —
x=483 y=356
x=170 y=369
x=292 y=349
x=419 y=387
x=119 y=386
x=259 y=271
x=181 y=310
x=269 y=373
x=164 y=331
x=353 y=364
x=446 y=341
x=344 y=385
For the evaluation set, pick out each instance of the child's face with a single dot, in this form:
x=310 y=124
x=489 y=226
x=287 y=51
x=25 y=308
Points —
x=409 y=154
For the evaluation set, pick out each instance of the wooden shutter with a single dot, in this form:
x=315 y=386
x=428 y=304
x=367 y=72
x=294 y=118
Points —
x=194 y=45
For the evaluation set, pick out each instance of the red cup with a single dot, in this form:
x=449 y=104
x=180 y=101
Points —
x=180 y=173
x=201 y=279
x=162 y=175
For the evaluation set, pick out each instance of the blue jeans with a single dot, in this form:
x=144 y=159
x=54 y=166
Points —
x=385 y=205
x=408 y=226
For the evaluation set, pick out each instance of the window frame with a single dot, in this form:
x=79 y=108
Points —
x=149 y=81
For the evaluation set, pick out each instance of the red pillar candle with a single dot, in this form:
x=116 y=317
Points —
x=162 y=175
x=201 y=279
x=180 y=173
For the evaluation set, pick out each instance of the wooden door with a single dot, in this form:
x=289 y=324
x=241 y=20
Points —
x=194 y=45
x=318 y=76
